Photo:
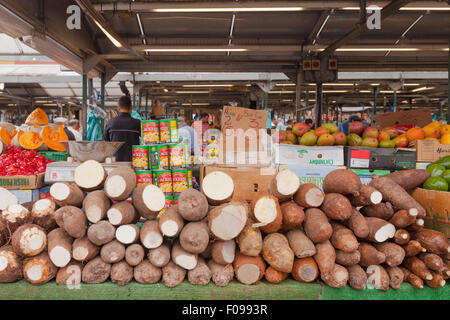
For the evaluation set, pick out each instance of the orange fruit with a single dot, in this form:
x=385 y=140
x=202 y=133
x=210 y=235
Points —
x=445 y=139
x=431 y=131
x=430 y=138
x=445 y=129
x=435 y=124
x=415 y=134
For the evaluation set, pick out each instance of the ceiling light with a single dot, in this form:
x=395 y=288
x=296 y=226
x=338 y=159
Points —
x=411 y=84
x=365 y=91
x=2 y=86
x=281 y=91
x=229 y=9
x=287 y=100
x=335 y=91
x=406 y=8
x=196 y=104
x=205 y=85
x=388 y=91
x=374 y=49
x=110 y=37
x=422 y=89
x=187 y=92
x=42 y=101
x=12 y=104
x=374 y=84
x=285 y=84
x=196 y=50
x=165 y=90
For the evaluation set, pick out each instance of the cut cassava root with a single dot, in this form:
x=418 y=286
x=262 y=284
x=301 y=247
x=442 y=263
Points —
x=305 y=270
x=192 y=205
x=309 y=195
x=95 y=205
x=10 y=265
x=67 y=194
x=83 y=249
x=368 y=196
x=43 y=214
x=90 y=175
x=29 y=240
x=248 y=270
x=120 y=183
x=218 y=187
x=39 y=269
x=150 y=235
x=122 y=213
x=267 y=213
x=284 y=184
x=223 y=252
x=148 y=200
x=59 y=247
x=171 y=222
x=128 y=233
x=227 y=220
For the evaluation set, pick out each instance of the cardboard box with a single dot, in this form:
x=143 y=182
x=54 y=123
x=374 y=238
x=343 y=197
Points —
x=26 y=195
x=248 y=181
x=310 y=174
x=436 y=204
x=44 y=193
x=422 y=165
x=308 y=156
x=431 y=150
x=380 y=158
x=420 y=117
x=22 y=182
x=366 y=175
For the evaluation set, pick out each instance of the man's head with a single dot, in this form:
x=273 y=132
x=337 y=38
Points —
x=181 y=122
x=74 y=123
x=309 y=122
x=205 y=117
x=125 y=104
x=353 y=118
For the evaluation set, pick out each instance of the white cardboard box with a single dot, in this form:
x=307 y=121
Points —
x=308 y=156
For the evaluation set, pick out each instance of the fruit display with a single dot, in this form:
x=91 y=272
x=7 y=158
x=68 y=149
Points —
x=36 y=134
x=360 y=135
x=439 y=175
x=16 y=161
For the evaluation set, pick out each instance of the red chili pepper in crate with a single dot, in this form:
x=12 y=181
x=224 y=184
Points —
x=16 y=161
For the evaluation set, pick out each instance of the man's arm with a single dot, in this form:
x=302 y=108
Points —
x=106 y=133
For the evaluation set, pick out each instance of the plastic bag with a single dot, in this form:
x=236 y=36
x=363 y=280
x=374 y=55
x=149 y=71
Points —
x=94 y=131
x=136 y=114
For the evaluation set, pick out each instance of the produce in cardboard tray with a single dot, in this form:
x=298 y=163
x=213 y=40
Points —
x=439 y=175
x=16 y=161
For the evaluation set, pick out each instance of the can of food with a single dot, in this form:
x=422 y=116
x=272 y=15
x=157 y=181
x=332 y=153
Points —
x=168 y=130
x=163 y=179
x=175 y=201
x=169 y=202
x=177 y=155
x=190 y=182
x=159 y=157
x=180 y=181
x=150 y=131
x=144 y=177
x=140 y=157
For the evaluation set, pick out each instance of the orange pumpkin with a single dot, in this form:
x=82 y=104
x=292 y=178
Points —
x=52 y=137
x=5 y=136
x=30 y=140
x=37 y=117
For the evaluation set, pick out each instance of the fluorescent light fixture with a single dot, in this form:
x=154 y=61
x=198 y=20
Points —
x=42 y=101
x=165 y=90
x=374 y=49
x=335 y=91
x=110 y=37
x=285 y=84
x=281 y=91
x=50 y=104
x=205 y=85
x=406 y=8
x=229 y=9
x=2 y=86
x=196 y=104
x=411 y=84
x=374 y=84
x=335 y=84
x=188 y=92
x=196 y=50
x=388 y=91
x=365 y=91
x=422 y=89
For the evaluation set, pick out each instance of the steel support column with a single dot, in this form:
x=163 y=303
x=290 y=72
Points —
x=102 y=101
x=448 y=92
x=84 y=106
x=298 y=94
x=146 y=105
x=318 y=106
x=375 y=94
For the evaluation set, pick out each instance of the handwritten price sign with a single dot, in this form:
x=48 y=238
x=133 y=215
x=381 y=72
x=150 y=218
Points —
x=242 y=118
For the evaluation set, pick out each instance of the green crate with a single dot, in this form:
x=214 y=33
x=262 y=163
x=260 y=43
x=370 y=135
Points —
x=55 y=155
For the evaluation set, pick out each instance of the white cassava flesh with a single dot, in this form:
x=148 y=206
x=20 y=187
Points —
x=41 y=207
x=127 y=234
x=153 y=198
x=35 y=273
x=7 y=198
x=115 y=186
x=248 y=273
x=89 y=175
x=228 y=251
x=59 y=256
x=385 y=232
x=218 y=186
x=229 y=222
x=265 y=210
x=60 y=191
x=169 y=228
x=152 y=240
x=114 y=216
x=376 y=197
x=287 y=182
x=314 y=197
x=14 y=211
x=32 y=239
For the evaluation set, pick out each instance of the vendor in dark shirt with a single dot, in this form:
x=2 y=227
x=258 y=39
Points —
x=124 y=128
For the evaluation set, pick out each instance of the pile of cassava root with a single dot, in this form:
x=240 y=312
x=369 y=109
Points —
x=352 y=233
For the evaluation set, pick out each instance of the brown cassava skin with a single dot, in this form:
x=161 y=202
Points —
x=139 y=204
x=59 y=237
x=96 y=271
x=347 y=259
x=357 y=277
x=129 y=175
x=207 y=254
x=358 y=224
x=28 y=205
x=383 y=210
x=402 y=236
x=436 y=282
x=250 y=240
x=192 y=205
x=13 y=271
x=363 y=199
x=277 y=253
x=200 y=275
x=75 y=197
x=396 y=195
x=45 y=219
x=432 y=261
x=73 y=221
x=374 y=225
x=445 y=271
x=241 y=261
x=146 y=273
x=370 y=255
x=84 y=250
x=413 y=248
x=300 y=197
x=378 y=277
x=48 y=268
x=342 y=181
x=134 y=254
x=11 y=224
x=217 y=251
x=70 y=274
x=273 y=188
x=172 y=215
x=415 y=226
x=121 y=273
x=416 y=266
x=402 y=219
x=325 y=257
x=393 y=252
x=99 y=199
x=172 y=275
x=305 y=270
x=301 y=245
x=316 y=225
x=292 y=216
x=275 y=276
x=160 y=256
x=112 y=252
x=336 y=206
x=217 y=212
x=194 y=237
x=411 y=278
x=149 y=226
x=433 y=241
x=19 y=235
x=343 y=238
x=129 y=214
x=395 y=277
x=409 y=179
x=276 y=224
x=221 y=274
x=337 y=277
x=101 y=233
